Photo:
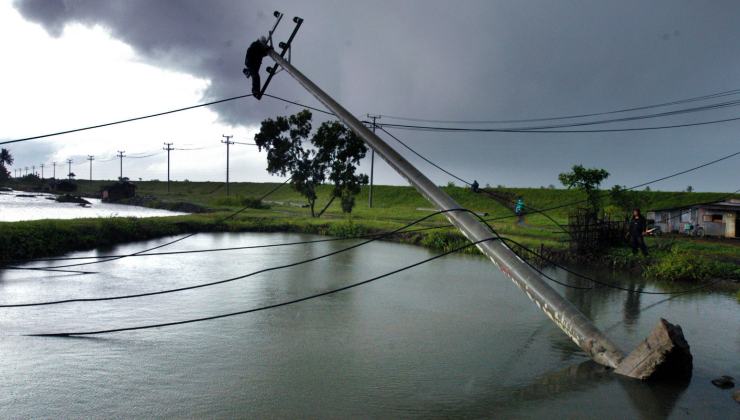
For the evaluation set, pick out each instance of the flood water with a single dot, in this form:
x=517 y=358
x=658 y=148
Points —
x=18 y=205
x=452 y=338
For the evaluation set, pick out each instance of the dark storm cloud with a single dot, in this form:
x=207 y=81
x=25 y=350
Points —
x=465 y=60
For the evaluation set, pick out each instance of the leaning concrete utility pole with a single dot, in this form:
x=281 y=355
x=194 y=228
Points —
x=665 y=340
x=69 y=173
x=563 y=313
x=372 y=164
x=54 y=172
x=42 y=171
x=228 y=143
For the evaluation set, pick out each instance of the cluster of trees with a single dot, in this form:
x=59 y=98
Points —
x=329 y=155
x=5 y=159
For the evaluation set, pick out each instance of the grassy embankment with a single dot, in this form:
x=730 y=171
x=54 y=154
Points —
x=394 y=207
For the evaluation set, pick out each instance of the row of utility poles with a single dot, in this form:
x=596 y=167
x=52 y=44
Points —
x=19 y=172
x=168 y=147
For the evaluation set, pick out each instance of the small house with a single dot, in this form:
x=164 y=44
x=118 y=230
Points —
x=710 y=219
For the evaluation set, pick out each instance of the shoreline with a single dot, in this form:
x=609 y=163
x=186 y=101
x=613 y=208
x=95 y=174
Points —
x=75 y=235
x=23 y=241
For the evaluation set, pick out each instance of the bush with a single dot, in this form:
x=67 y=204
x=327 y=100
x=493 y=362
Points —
x=66 y=186
x=346 y=230
x=254 y=203
x=680 y=265
x=444 y=241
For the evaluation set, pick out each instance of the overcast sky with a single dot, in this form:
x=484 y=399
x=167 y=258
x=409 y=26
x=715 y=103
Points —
x=71 y=63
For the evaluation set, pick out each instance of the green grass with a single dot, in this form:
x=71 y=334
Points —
x=394 y=207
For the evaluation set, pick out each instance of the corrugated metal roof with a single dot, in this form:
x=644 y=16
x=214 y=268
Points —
x=732 y=204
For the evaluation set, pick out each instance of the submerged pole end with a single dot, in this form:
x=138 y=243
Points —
x=664 y=354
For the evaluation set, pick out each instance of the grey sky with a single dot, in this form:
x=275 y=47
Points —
x=467 y=60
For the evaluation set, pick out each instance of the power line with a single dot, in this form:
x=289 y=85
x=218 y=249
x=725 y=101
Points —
x=263 y=308
x=323 y=111
x=463 y=180
x=230 y=216
x=126 y=120
x=567 y=117
x=588 y=123
x=525 y=130
x=350 y=286
x=213 y=283
x=601 y=283
x=151 y=254
x=543 y=211
x=143 y=156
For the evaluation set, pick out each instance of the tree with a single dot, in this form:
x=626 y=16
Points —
x=5 y=159
x=334 y=155
x=340 y=151
x=689 y=189
x=587 y=180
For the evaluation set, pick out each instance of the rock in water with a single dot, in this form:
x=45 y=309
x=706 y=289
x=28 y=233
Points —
x=66 y=198
x=664 y=354
x=724 y=382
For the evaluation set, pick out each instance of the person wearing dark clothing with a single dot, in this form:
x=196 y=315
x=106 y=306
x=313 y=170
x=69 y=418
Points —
x=474 y=186
x=637 y=228
x=253 y=61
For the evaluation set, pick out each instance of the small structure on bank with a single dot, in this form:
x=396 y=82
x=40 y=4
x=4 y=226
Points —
x=119 y=191
x=591 y=233
x=712 y=219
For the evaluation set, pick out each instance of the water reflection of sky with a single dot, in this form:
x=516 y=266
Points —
x=16 y=206
x=452 y=338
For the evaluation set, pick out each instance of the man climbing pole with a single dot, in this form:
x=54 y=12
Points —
x=637 y=228
x=253 y=61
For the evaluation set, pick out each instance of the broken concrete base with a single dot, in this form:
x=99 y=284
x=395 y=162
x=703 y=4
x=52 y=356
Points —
x=664 y=354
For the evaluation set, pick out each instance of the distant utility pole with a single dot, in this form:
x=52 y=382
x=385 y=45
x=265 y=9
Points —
x=54 y=173
x=69 y=174
x=168 y=147
x=90 y=158
x=26 y=168
x=120 y=156
x=33 y=169
x=42 y=171
x=227 y=142
x=372 y=162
